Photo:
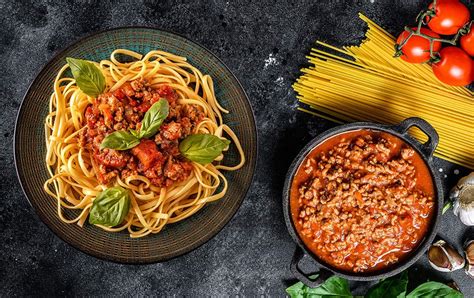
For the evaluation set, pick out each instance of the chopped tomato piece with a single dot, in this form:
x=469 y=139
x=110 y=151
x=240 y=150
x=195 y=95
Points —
x=105 y=108
x=147 y=153
x=119 y=94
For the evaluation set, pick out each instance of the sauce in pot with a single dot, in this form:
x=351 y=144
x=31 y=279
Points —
x=362 y=200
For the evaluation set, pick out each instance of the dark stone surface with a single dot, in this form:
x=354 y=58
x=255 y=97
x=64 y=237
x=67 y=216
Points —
x=264 y=43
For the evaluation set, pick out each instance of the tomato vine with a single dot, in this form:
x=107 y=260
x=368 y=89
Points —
x=423 y=18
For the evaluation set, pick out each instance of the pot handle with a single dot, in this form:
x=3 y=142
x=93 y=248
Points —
x=427 y=148
x=301 y=276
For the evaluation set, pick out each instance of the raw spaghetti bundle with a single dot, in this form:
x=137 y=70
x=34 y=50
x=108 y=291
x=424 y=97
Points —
x=365 y=83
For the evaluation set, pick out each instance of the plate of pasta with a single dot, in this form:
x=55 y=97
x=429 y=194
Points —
x=135 y=145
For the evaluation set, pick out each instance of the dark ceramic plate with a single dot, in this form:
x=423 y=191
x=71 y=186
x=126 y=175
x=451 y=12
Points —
x=176 y=239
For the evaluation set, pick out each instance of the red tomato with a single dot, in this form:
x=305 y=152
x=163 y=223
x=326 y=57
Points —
x=467 y=41
x=455 y=68
x=417 y=48
x=451 y=15
x=147 y=153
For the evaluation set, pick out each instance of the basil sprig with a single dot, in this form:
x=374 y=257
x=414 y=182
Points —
x=333 y=287
x=110 y=207
x=433 y=289
x=395 y=286
x=124 y=140
x=202 y=148
x=88 y=77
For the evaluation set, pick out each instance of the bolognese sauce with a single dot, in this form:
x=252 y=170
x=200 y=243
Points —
x=157 y=158
x=362 y=200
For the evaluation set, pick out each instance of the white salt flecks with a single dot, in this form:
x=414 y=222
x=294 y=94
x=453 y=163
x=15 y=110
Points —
x=271 y=60
x=279 y=81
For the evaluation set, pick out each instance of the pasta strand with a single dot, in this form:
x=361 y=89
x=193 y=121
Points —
x=72 y=169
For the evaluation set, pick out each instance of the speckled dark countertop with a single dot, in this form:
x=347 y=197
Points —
x=264 y=43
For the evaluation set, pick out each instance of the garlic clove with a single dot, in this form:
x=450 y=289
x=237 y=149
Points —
x=438 y=259
x=463 y=213
x=469 y=252
x=445 y=258
x=462 y=196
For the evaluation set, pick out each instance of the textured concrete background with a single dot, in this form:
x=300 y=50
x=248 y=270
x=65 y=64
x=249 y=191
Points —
x=264 y=43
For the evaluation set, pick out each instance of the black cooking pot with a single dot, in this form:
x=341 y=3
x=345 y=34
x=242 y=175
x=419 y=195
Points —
x=426 y=152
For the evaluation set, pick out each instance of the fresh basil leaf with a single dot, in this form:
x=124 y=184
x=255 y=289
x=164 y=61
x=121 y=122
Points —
x=88 y=77
x=110 y=207
x=202 y=148
x=120 y=140
x=153 y=118
x=135 y=133
x=332 y=287
x=434 y=289
x=299 y=289
x=392 y=287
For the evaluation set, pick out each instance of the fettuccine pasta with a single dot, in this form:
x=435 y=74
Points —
x=160 y=194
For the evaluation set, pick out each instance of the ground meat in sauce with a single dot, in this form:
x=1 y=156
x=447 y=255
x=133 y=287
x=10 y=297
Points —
x=158 y=158
x=359 y=206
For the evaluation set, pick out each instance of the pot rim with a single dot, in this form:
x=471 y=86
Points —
x=430 y=234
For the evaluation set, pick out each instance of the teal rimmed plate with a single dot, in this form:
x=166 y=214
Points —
x=176 y=239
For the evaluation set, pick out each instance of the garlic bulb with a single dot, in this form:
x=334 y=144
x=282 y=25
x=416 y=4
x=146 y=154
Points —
x=445 y=258
x=462 y=196
x=469 y=252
